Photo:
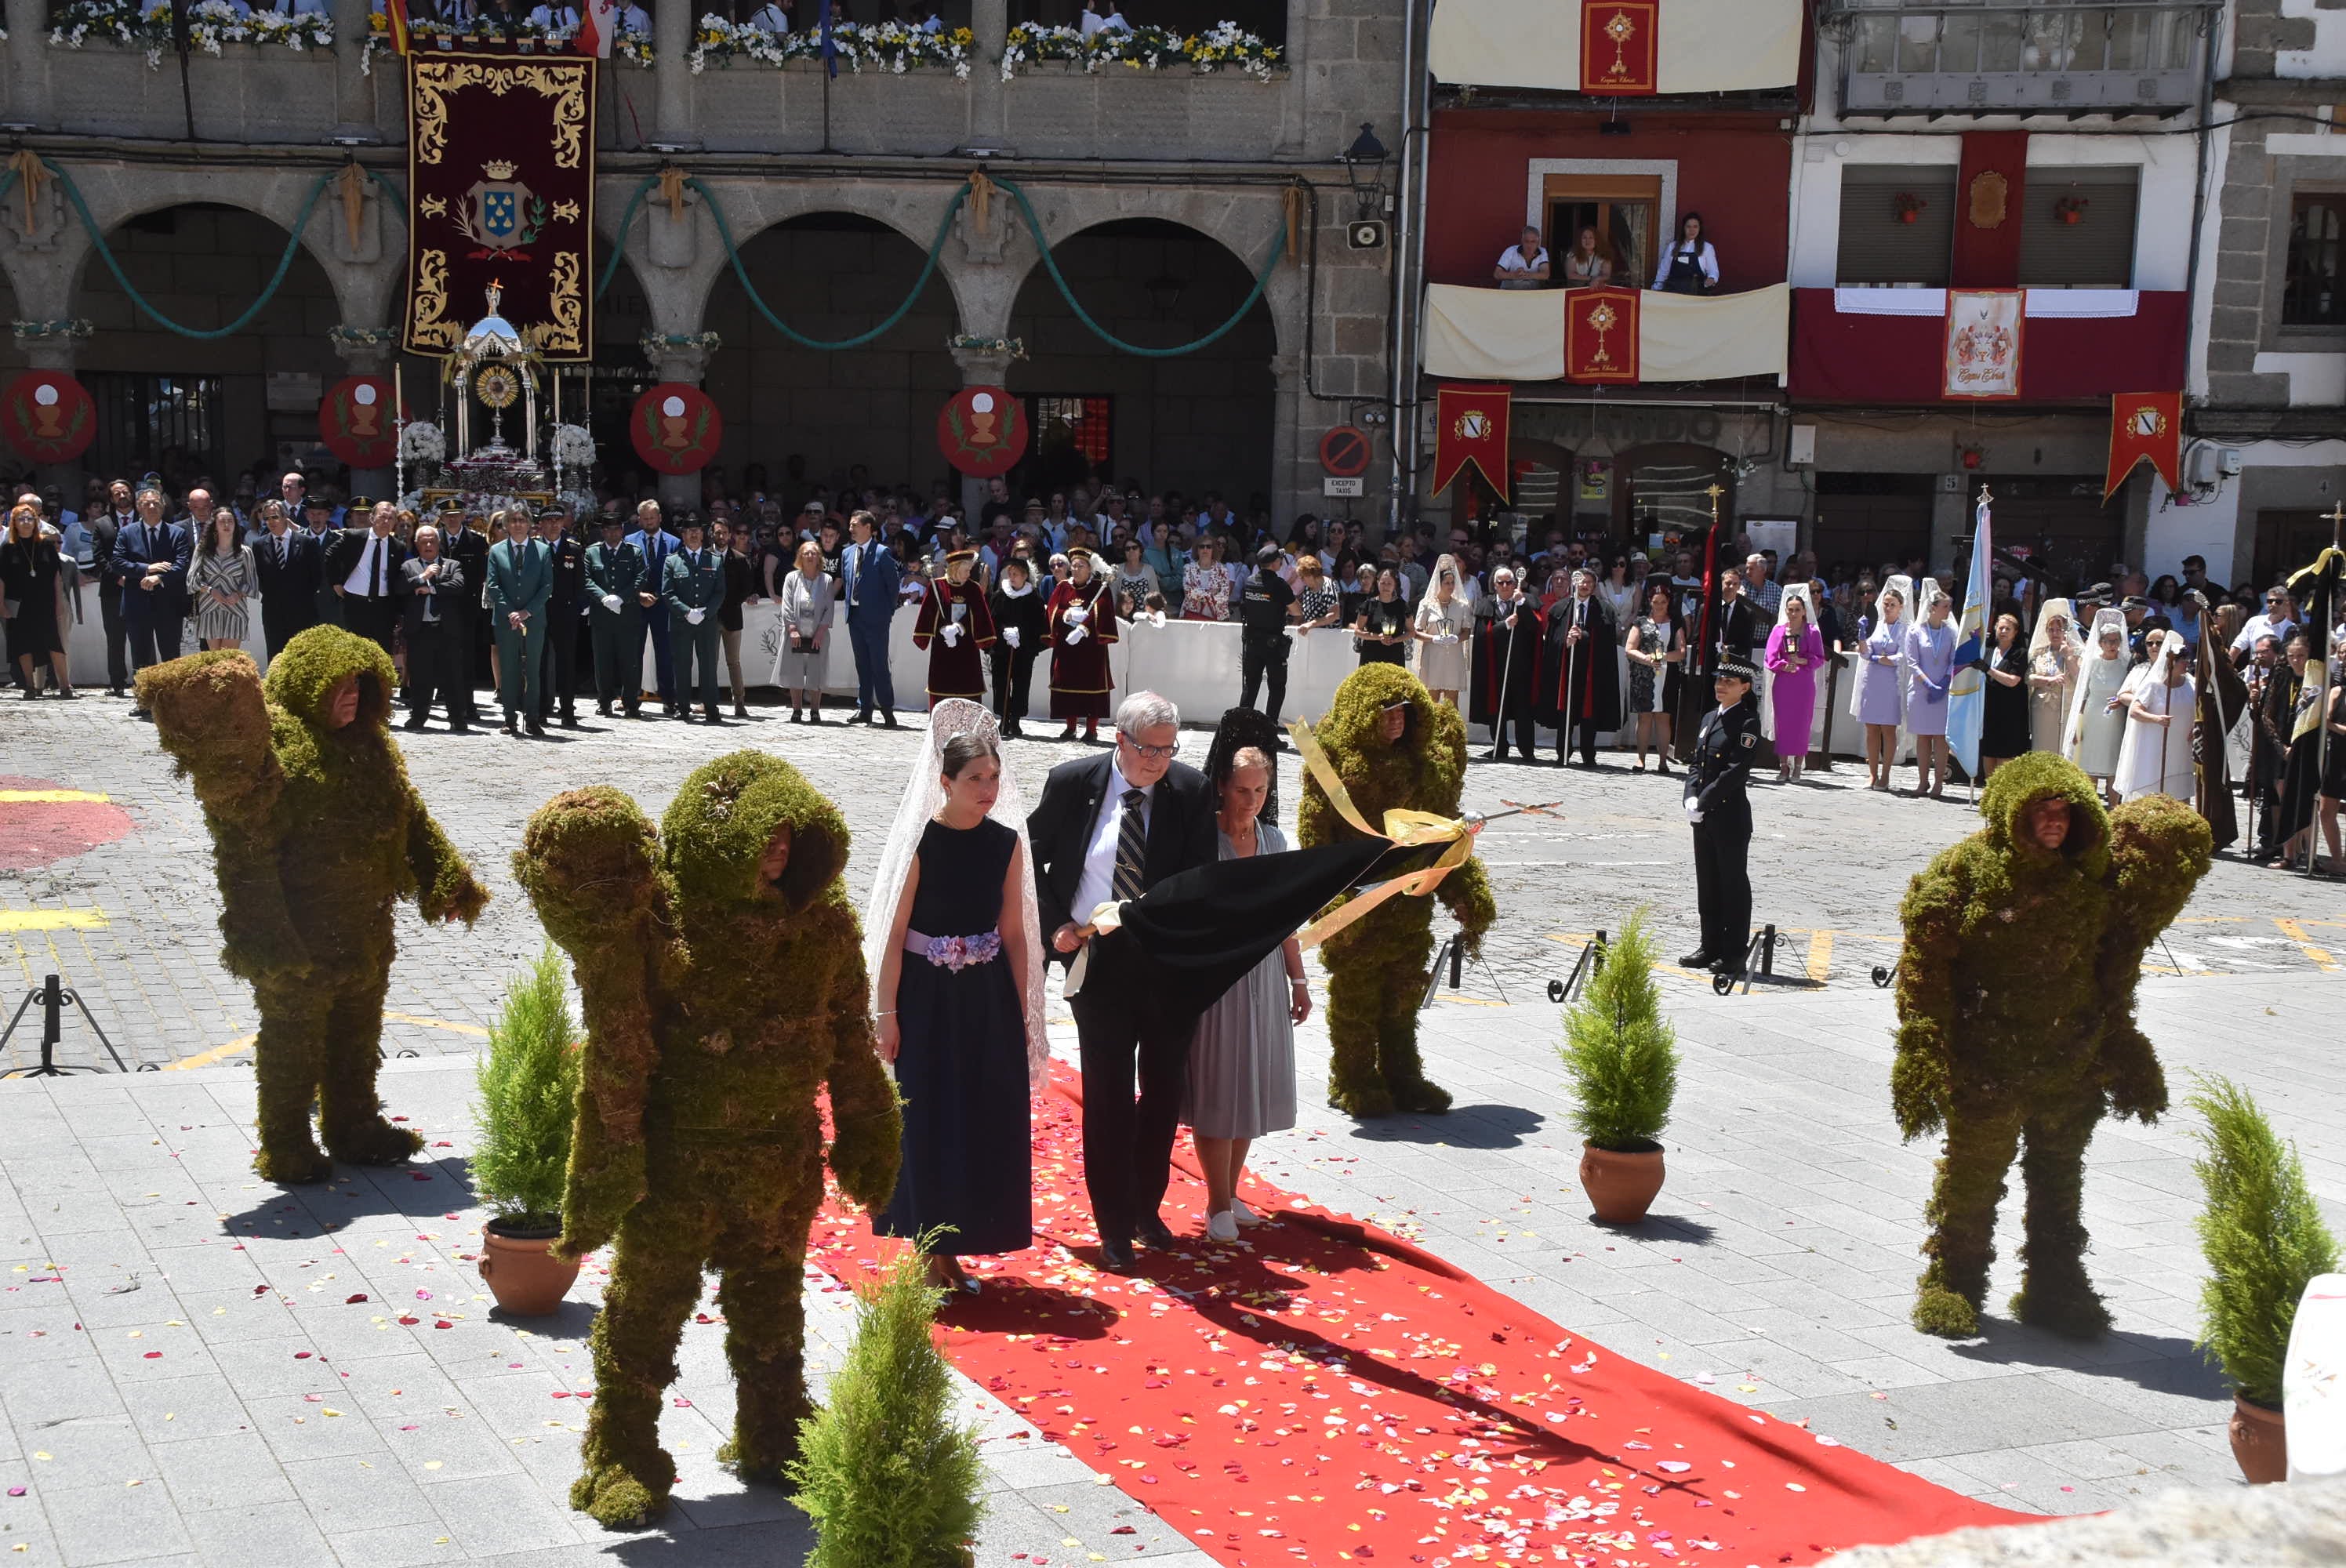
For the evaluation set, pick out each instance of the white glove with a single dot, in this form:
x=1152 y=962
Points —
x=1693 y=808
x=694 y=617
x=1077 y=633
x=611 y=603
x=951 y=632
x=1010 y=635
x=1076 y=615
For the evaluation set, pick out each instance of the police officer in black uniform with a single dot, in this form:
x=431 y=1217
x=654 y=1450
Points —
x=1263 y=644
x=558 y=663
x=1721 y=814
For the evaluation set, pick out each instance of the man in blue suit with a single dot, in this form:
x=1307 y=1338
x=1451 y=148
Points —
x=655 y=545
x=150 y=565
x=868 y=584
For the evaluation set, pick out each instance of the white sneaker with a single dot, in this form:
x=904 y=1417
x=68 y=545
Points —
x=1222 y=1226
x=1244 y=1214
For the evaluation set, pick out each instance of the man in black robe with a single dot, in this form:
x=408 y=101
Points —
x=1507 y=631
x=1580 y=670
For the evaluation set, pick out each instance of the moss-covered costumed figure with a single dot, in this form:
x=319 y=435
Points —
x=2015 y=1004
x=723 y=983
x=316 y=832
x=1393 y=748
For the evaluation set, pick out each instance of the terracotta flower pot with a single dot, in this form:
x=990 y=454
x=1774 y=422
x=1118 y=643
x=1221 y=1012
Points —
x=1620 y=1182
x=526 y=1277
x=2259 y=1442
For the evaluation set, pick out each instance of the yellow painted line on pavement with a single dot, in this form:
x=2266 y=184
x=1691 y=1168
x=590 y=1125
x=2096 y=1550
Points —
x=53 y=919
x=1466 y=1000
x=238 y=1046
x=1820 y=944
x=2295 y=931
x=52 y=798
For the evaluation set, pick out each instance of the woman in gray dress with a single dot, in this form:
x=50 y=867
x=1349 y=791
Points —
x=221 y=582
x=803 y=637
x=1242 y=1059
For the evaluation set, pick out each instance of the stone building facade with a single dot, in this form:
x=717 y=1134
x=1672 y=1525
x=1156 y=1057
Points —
x=832 y=190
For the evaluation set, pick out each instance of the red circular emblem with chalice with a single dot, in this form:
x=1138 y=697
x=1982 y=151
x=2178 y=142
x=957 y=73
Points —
x=355 y=421
x=48 y=415
x=981 y=431
x=675 y=428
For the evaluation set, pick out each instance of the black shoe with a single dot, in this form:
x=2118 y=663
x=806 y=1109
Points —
x=740 y=711
x=858 y=717
x=634 y=710
x=116 y=691
x=603 y=708
x=458 y=727
x=1698 y=959
x=814 y=716
x=1154 y=1234
x=537 y=727
x=414 y=723
x=889 y=722
x=710 y=716
x=797 y=716
x=1117 y=1256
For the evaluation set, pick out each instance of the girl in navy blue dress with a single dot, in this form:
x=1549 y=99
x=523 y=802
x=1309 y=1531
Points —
x=956 y=918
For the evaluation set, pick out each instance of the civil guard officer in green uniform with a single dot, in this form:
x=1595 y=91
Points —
x=693 y=584
x=614 y=577
x=1721 y=814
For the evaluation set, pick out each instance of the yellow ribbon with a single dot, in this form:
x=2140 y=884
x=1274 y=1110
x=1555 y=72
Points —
x=1404 y=829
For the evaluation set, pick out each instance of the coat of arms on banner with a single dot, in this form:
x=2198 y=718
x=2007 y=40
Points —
x=1982 y=342
x=501 y=213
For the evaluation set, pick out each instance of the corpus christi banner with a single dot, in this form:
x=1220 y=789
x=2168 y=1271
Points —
x=501 y=187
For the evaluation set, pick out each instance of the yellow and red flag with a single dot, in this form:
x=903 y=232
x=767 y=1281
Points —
x=394 y=25
x=1471 y=422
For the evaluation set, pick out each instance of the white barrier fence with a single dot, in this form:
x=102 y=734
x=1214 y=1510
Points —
x=1195 y=663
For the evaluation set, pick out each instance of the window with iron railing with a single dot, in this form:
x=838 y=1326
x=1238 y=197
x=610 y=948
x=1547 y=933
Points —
x=165 y=424
x=1923 y=56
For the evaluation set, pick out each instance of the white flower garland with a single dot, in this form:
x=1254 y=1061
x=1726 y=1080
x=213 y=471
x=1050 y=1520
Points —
x=890 y=46
x=1225 y=46
x=211 y=24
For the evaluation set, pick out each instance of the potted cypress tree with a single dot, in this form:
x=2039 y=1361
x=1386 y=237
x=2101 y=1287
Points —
x=1622 y=1058
x=528 y=1085
x=2263 y=1239
x=888 y=1478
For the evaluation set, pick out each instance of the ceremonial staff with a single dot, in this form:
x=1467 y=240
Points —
x=1506 y=671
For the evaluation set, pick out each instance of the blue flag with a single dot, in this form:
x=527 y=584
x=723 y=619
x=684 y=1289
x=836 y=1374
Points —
x=1967 y=694
x=829 y=45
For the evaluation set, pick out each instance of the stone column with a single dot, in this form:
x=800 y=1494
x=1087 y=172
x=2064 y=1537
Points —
x=672 y=73
x=353 y=88
x=28 y=62
x=981 y=366
x=368 y=351
x=988 y=111
x=684 y=361
x=1288 y=496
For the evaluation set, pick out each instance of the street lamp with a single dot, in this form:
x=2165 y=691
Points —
x=1364 y=167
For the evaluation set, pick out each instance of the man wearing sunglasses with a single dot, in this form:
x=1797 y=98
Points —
x=1108 y=829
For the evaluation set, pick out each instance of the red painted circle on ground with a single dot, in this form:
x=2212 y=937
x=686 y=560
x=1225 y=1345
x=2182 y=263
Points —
x=36 y=833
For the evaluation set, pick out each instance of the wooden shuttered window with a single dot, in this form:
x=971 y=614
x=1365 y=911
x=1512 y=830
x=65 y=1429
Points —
x=2077 y=226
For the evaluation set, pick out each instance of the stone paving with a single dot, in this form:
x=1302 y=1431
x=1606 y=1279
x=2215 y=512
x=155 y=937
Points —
x=1776 y=1271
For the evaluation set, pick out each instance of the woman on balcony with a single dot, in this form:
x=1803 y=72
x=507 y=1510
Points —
x=1585 y=264
x=1690 y=266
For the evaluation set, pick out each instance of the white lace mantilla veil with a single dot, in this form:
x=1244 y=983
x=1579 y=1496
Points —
x=2073 y=737
x=925 y=797
x=1760 y=693
x=1867 y=671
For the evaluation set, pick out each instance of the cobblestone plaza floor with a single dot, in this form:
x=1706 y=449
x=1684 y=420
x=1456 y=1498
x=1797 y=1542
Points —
x=218 y=1405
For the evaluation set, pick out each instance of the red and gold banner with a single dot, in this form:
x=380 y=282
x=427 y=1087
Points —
x=501 y=189
x=676 y=427
x=1619 y=52
x=981 y=431
x=1471 y=428
x=1600 y=335
x=1988 y=192
x=2146 y=427
x=354 y=421
x=48 y=416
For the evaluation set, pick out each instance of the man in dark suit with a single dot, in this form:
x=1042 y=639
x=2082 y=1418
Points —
x=655 y=544
x=431 y=584
x=557 y=688
x=105 y=527
x=1109 y=828
x=149 y=566
x=362 y=569
x=286 y=561
x=316 y=521
x=469 y=548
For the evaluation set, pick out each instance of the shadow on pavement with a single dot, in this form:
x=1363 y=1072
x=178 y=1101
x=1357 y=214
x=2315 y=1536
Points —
x=1465 y=1127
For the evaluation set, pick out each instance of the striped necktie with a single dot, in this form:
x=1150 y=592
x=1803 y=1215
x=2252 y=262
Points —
x=1131 y=847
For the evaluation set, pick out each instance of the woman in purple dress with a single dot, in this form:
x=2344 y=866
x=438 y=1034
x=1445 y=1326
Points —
x=1796 y=650
x=1930 y=672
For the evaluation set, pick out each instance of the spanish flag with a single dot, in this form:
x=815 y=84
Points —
x=394 y=18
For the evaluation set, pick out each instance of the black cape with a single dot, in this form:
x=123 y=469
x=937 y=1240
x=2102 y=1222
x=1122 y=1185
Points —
x=1589 y=678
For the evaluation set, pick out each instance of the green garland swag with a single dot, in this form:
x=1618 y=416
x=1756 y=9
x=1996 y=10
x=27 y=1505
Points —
x=718 y=1007
x=316 y=832
x=2015 y=1004
x=1377 y=965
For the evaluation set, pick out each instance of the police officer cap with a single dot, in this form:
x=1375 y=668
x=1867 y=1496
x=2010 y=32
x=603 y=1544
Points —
x=2099 y=593
x=553 y=509
x=314 y=503
x=2135 y=601
x=1737 y=669
x=361 y=503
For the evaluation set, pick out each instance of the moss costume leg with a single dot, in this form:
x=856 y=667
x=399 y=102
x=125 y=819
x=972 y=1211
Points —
x=2054 y=1290
x=765 y=1333
x=1356 y=1013
x=1962 y=1216
x=654 y=1280
x=286 y=1055
x=350 y=1114
x=1403 y=982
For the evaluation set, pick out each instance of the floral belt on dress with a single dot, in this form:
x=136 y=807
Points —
x=955 y=952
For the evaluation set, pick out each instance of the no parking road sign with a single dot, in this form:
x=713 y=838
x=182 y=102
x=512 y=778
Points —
x=1345 y=451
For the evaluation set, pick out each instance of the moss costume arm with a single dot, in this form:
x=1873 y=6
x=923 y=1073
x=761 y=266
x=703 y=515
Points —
x=1920 y=1077
x=2159 y=848
x=1466 y=892
x=868 y=1129
x=586 y=861
x=445 y=888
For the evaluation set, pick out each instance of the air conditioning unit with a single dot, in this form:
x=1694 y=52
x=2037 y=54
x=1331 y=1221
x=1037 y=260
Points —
x=1366 y=234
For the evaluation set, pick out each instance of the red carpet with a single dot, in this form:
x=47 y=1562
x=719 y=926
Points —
x=1323 y=1392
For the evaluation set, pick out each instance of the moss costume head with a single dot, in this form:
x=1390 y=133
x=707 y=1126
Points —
x=725 y=999
x=1393 y=748
x=316 y=833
